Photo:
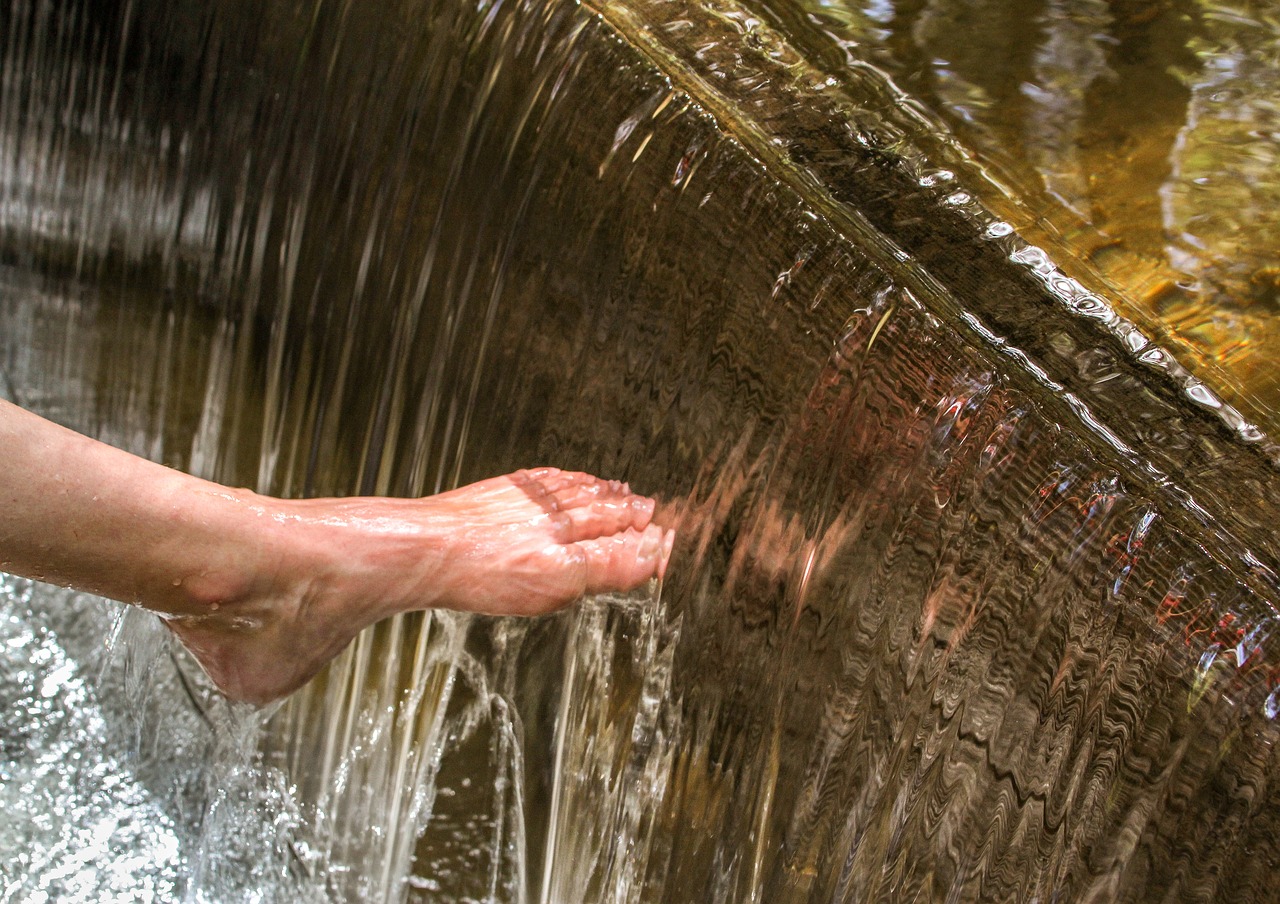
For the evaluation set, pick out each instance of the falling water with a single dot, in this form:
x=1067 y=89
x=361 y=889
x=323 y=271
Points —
x=974 y=589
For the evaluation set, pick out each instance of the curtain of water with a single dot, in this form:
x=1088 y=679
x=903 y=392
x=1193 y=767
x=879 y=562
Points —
x=1141 y=131
x=933 y=630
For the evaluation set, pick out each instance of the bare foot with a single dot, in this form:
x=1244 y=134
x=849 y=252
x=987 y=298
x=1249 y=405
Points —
x=525 y=544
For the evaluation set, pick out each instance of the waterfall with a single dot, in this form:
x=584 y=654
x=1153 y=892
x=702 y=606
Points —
x=974 y=585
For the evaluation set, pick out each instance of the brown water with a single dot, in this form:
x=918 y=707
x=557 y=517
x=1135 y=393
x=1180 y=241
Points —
x=1143 y=134
x=975 y=593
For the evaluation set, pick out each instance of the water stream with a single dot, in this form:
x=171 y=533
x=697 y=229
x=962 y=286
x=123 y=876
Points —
x=975 y=585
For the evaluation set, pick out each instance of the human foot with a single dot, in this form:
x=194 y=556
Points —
x=525 y=544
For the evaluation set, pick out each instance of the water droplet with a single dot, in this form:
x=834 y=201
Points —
x=1271 y=708
x=937 y=178
x=1156 y=357
x=1131 y=336
x=1249 y=433
x=1201 y=394
x=1089 y=305
x=1207 y=659
x=1032 y=257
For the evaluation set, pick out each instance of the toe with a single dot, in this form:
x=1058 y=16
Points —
x=624 y=561
x=606 y=517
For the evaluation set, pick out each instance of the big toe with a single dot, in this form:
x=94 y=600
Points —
x=625 y=560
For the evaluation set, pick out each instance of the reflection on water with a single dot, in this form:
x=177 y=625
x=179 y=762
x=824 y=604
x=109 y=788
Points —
x=974 y=596
x=1150 y=122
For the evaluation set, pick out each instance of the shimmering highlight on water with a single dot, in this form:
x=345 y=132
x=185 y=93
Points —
x=974 y=597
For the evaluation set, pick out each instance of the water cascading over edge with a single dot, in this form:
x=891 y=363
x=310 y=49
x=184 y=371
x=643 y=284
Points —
x=964 y=607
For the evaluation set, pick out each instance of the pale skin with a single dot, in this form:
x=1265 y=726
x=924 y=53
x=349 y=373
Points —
x=265 y=591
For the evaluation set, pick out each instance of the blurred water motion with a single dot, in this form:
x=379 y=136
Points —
x=975 y=588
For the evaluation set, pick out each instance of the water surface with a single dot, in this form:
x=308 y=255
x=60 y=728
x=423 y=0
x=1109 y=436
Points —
x=975 y=588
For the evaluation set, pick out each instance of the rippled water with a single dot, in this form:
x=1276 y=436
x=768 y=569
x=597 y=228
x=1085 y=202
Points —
x=1143 y=132
x=975 y=587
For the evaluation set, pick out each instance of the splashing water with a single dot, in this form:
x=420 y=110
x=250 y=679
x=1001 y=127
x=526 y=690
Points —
x=974 y=593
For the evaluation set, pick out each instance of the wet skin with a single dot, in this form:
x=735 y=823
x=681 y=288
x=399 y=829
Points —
x=265 y=591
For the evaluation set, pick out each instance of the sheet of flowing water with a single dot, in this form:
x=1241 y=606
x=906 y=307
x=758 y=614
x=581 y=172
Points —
x=974 y=591
x=1143 y=131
